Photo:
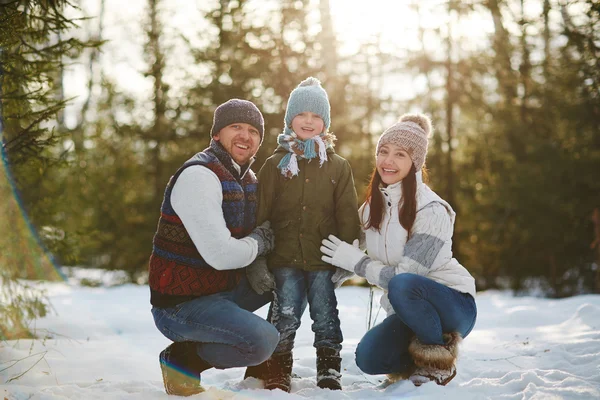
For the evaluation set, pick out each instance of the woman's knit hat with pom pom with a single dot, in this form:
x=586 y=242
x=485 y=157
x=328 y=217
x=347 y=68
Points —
x=410 y=133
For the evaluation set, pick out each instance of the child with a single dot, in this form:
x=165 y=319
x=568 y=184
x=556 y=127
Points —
x=307 y=193
x=429 y=297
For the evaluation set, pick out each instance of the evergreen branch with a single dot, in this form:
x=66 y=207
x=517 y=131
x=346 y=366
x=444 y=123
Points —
x=29 y=132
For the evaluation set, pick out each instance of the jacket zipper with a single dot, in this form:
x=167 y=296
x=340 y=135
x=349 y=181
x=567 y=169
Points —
x=385 y=241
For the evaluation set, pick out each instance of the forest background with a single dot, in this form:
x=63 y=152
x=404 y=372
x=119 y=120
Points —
x=101 y=102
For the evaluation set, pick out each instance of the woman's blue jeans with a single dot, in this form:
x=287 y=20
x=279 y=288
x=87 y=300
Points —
x=294 y=288
x=228 y=333
x=423 y=308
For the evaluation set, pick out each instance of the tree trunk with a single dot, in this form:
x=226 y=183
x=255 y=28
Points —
x=596 y=246
x=450 y=100
x=328 y=41
x=450 y=105
x=157 y=65
x=525 y=67
x=93 y=63
x=546 y=36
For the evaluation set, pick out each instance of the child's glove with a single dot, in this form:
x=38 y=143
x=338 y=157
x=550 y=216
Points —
x=341 y=254
x=340 y=276
x=264 y=236
x=259 y=276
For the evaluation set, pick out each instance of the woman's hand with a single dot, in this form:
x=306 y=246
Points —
x=340 y=276
x=341 y=254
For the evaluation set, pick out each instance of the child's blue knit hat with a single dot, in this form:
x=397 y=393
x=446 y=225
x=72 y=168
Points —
x=308 y=96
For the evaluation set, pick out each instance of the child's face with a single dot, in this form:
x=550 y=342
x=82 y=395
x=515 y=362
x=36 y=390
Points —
x=393 y=163
x=307 y=125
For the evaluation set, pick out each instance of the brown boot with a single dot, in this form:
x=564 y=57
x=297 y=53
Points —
x=279 y=372
x=181 y=367
x=429 y=374
x=400 y=376
x=435 y=362
x=329 y=364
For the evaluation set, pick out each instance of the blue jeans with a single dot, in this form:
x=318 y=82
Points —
x=423 y=308
x=227 y=332
x=294 y=288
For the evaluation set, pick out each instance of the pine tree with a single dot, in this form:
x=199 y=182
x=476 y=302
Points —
x=31 y=51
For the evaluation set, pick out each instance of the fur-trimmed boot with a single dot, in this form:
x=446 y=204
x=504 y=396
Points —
x=181 y=367
x=279 y=372
x=400 y=376
x=259 y=371
x=435 y=362
x=329 y=364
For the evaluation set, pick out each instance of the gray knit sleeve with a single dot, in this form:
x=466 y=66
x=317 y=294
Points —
x=431 y=231
x=430 y=240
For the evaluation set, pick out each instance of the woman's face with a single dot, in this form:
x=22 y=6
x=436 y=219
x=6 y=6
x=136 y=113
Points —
x=393 y=163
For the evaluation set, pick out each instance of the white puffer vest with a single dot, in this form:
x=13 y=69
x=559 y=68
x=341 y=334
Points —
x=386 y=247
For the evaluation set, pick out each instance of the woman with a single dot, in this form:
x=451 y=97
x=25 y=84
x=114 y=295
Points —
x=429 y=297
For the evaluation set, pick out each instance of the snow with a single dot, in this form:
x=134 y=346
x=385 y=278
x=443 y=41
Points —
x=101 y=343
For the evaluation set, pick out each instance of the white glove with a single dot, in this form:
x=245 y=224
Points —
x=341 y=254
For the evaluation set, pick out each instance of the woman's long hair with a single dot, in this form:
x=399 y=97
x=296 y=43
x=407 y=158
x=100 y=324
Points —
x=407 y=208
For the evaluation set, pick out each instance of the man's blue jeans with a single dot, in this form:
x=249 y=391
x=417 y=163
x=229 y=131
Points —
x=294 y=288
x=227 y=332
x=423 y=308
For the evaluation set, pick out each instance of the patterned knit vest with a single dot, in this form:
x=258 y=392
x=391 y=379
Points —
x=177 y=271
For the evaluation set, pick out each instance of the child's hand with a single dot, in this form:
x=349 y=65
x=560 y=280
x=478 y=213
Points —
x=341 y=254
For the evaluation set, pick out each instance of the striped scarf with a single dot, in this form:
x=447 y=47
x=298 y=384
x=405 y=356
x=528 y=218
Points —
x=297 y=148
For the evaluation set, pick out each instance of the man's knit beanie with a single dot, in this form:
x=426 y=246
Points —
x=238 y=111
x=309 y=95
x=410 y=133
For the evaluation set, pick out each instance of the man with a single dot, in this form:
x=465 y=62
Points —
x=206 y=236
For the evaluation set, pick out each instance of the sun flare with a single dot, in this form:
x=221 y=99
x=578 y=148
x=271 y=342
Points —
x=388 y=21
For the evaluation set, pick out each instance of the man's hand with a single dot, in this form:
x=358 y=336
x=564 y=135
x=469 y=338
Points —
x=259 y=276
x=340 y=276
x=341 y=254
x=264 y=236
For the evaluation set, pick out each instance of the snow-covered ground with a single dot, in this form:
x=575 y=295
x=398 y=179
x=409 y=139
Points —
x=101 y=343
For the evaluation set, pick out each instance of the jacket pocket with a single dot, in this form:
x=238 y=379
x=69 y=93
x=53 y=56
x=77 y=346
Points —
x=280 y=225
x=284 y=233
x=327 y=227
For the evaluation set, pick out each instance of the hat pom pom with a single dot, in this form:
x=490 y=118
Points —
x=310 y=81
x=420 y=119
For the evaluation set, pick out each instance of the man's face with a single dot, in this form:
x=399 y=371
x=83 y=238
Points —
x=240 y=140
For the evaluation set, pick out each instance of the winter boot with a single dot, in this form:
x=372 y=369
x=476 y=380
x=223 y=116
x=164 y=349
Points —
x=181 y=367
x=435 y=362
x=400 y=376
x=257 y=371
x=329 y=364
x=279 y=372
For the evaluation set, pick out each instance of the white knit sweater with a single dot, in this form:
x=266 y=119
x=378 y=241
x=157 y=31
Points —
x=428 y=252
x=197 y=198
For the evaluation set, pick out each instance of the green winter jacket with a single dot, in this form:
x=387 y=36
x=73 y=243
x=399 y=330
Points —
x=307 y=208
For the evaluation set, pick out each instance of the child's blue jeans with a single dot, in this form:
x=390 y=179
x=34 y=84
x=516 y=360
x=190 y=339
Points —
x=423 y=308
x=294 y=289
